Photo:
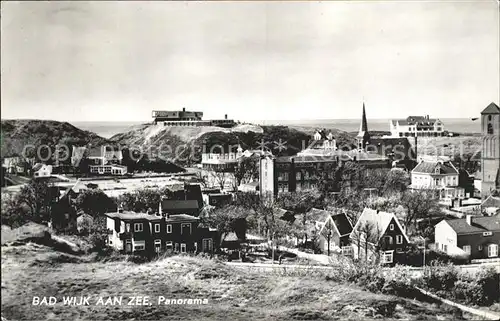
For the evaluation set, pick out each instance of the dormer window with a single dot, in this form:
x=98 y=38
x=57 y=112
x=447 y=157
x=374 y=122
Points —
x=437 y=170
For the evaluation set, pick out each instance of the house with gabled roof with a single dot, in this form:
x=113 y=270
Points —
x=438 y=174
x=477 y=237
x=378 y=236
x=417 y=126
x=334 y=232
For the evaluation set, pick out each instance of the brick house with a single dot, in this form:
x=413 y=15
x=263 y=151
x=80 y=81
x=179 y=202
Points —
x=477 y=237
x=142 y=233
x=379 y=236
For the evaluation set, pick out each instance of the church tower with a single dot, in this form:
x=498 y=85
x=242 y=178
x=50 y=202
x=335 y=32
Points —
x=490 y=153
x=363 y=135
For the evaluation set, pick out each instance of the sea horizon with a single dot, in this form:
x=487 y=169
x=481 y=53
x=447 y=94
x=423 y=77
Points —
x=107 y=129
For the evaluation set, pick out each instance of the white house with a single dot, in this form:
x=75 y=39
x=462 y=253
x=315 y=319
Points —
x=42 y=170
x=322 y=143
x=416 y=126
x=440 y=175
x=476 y=237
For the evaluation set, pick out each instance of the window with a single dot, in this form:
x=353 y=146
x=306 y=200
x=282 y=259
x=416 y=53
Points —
x=466 y=249
x=157 y=228
x=195 y=247
x=207 y=245
x=399 y=250
x=391 y=227
x=399 y=239
x=183 y=247
x=139 y=245
x=169 y=228
x=388 y=239
x=127 y=227
x=176 y=248
x=387 y=257
x=490 y=129
x=479 y=247
x=493 y=250
x=138 y=227
x=487 y=233
x=157 y=246
x=186 y=228
x=445 y=248
x=169 y=245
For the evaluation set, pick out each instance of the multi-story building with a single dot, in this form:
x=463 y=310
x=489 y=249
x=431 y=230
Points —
x=102 y=160
x=416 y=126
x=188 y=118
x=142 y=233
x=379 y=236
x=218 y=168
x=440 y=175
x=477 y=237
x=490 y=154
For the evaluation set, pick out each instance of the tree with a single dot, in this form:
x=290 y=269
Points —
x=366 y=235
x=143 y=199
x=94 y=202
x=419 y=204
x=14 y=212
x=247 y=170
x=397 y=181
x=39 y=196
x=98 y=234
x=228 y=219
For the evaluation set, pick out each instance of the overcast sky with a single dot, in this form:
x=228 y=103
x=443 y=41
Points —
x=252 y=60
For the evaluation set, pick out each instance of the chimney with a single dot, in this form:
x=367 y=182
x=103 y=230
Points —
x=183 y=109
x=225 y=116
x=468 y=219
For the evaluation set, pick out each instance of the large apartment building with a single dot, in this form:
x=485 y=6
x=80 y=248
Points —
x=187 y=118
x=416 y=126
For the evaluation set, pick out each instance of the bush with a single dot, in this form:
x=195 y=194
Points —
x=399 y=281
x=440 y=277
x=479 y=289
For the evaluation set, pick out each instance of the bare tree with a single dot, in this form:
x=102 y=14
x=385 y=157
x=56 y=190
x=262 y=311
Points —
x=366 y=235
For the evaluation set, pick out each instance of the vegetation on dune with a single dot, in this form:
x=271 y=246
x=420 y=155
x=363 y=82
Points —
x=230 y=293
x=17 y=134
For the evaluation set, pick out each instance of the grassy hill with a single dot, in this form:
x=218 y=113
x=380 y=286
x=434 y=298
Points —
x=32 y=269
x=16 y=134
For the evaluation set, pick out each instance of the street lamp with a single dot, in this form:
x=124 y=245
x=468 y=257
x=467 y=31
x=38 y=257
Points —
x=423 y=238
x=329 y=235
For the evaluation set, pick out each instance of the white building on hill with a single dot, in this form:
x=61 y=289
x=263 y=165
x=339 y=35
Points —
x=416 y=125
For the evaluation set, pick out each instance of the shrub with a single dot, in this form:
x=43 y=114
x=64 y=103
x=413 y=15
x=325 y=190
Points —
x=479 y=289
x=440 y=277
x=400 y=281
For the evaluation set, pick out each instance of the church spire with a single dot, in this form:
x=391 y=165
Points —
x=364 y=123
x=363 y=135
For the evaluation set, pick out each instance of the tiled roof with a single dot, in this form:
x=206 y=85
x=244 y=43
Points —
x=491 y=201
x=129 y=215
x=37 y=167
x=491 y=109
x=479 y=224
x=167 y=205
x=342 y=223
x=181 y=217
x=318 y=215
x=428 y=167
x=379 y=219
